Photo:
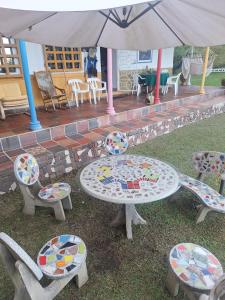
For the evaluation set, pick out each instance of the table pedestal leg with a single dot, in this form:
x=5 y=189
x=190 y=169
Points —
x=128 y=215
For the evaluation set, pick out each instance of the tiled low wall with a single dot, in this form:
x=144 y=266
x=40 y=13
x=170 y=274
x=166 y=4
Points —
x=61 y=149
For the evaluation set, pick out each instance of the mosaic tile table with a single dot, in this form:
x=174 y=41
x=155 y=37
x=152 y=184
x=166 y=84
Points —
x=129 y=180
x=62 y=256
x=194 y=266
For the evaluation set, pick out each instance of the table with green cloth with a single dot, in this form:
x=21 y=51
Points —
x=150 y=79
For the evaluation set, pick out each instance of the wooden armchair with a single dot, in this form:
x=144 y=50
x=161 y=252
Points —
x=11 y=98
x=50 y=93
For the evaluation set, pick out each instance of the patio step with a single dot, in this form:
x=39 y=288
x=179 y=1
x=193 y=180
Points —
x=62 y=149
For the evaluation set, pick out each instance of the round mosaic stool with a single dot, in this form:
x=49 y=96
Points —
x=116 y=143
x=193 y=268
x=54 y=192
x=63 y=256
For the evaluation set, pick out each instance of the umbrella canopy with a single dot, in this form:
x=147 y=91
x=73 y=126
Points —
x=118 y=24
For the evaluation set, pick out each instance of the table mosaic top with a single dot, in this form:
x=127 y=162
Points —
x=61 y=256
x=195 y=266
x=55 y=191
x=209 y=196
x=26 y=169
x=129 y=179
x=116 y=143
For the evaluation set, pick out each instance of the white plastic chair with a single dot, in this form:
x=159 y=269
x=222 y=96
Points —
x=172 y=81
x=79 y=87
x=26 y=274
x=97 y=86
x=136 y=86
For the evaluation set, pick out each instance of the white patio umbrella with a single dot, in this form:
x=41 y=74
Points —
x=118 y=24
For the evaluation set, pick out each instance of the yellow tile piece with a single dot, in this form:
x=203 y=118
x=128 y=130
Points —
x=68 y=258
x=81 y=248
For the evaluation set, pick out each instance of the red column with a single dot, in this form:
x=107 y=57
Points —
x=157 y=85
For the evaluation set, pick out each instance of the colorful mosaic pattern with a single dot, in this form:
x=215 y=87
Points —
x=61 y=256
x=116 y=143
x=55 y=191
x=195 y=266
x=209 y=196
x=129 y=179
x=26 y=169
x=210 y=162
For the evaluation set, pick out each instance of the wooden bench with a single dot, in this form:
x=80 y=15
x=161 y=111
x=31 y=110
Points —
x=11 y=98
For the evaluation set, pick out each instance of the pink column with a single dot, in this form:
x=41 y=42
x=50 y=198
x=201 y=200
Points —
x=157 y=85
x=110 y=109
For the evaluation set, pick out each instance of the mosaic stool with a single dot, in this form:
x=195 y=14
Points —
x=210 y=162
x=211 y=200
x=61 y=259
x=116 y=143
x=56 y=195
x=194 y=269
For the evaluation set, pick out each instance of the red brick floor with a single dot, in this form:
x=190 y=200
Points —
x=15 y=124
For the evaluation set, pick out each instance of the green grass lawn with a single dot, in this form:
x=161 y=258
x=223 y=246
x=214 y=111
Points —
x=120 y=269
x=214 y=79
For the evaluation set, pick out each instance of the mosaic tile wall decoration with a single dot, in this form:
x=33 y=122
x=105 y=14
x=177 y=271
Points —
x=26 y=169
x=116 y=143
x=62 y=256
x=129 y=179
x=195 y=266
x=209 y=196
x=55 y=191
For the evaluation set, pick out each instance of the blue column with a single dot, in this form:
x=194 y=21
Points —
x=34 y=123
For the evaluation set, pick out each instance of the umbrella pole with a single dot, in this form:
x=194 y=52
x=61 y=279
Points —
x=157 y=85
x=34 y=123
x=110 y=109
x=204 y=70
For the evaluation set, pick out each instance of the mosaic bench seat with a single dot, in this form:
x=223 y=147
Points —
x=56 y=195
x=60 y=259
x=192 y=268
x=211 y=200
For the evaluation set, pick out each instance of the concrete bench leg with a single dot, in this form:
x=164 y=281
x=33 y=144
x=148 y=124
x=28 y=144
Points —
x=37 y=292
x=172 y=283
x=67 y=203
x=59 y=211
x=82 y=276
x=203 y=211
x=8 y=260
x=29 y=205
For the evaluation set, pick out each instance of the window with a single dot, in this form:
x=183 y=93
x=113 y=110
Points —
x=145 y=56
x=10 y=64
x=63 y=58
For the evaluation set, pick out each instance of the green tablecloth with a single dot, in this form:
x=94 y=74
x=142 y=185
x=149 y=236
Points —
x=150 y=79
